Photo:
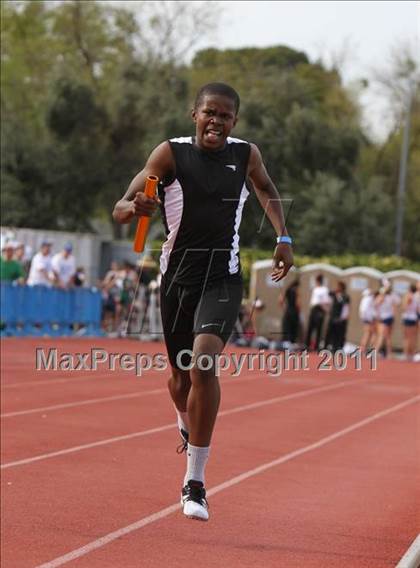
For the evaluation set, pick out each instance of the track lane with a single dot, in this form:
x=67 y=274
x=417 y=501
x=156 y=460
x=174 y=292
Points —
x=47 y=498
x=105 y=483
x=89 y=425
x=314 y=524
x=18 y=361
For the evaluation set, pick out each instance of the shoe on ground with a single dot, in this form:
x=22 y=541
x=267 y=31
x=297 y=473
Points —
x=194 y=502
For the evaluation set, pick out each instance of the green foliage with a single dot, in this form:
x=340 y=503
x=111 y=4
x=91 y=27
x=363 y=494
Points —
x=339 y=216
x=313 y=145
x=249 y=59
x=383 y=162
x=350 y=260
x=88 y=92
x=74 y=112
x=304 y=122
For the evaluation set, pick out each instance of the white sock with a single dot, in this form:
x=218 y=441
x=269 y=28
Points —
x=182 y=418
x=196 y=462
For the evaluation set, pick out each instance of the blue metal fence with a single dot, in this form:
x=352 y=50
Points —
x=39 y=310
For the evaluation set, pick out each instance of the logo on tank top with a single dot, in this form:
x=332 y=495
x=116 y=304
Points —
x=231 y=166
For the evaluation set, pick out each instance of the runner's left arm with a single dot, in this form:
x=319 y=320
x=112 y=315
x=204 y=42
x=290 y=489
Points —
x=269 y=198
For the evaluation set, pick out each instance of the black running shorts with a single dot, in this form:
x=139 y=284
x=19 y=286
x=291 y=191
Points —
x=188 y=311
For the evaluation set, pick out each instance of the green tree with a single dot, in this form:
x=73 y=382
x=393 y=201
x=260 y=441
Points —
x=343 y=217
x=79 y=127
x=89 y=88
x=96 y=91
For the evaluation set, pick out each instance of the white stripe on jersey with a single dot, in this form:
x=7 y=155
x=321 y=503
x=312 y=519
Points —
x=174 y=205
x=188 y=140
x=236 y=140
x=234 y=258
x=182 y=140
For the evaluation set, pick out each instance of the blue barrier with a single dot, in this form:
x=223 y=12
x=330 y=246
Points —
x=43 y=311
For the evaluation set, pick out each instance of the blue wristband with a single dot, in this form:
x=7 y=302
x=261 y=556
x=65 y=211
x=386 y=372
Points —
x=284 y=240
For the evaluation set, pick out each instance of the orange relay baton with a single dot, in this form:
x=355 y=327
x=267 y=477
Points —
x=143 y=222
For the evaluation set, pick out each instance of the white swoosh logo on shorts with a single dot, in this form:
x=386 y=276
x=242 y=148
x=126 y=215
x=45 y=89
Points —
x=208 y=324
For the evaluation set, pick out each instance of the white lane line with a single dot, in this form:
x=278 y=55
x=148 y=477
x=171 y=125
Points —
x=411 y=558
x=103 y=399
x=106 y=539
x=82 y=403
x=243 y=408
x=53 y=381
x=75 y=380
x=84 y=378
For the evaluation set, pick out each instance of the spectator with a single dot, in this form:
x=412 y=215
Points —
x=291 y=315
x=147 y=268
x=246 y=322
x=79 y=277
x=319 y=305
x=10 y=269
x=340 y=311
x=386 y=302
x=369 y=317
x=23 y=256
x=410 y=321
x=19 y=253
x=64 y=267
x=112 y=286
x=146 y=273
x=129 y=287
x=257 y=307
x=242 y=331
x=41 y=267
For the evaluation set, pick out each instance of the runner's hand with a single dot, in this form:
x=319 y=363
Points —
x=143 y=205
x=282 y=261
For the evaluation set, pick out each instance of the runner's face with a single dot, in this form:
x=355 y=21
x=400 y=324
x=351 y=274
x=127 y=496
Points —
x=214 y=119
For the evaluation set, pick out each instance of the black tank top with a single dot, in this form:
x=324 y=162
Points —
x=202 y=209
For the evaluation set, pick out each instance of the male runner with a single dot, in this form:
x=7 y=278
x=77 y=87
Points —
x=202 y=194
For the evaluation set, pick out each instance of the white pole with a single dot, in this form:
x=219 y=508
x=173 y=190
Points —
x=403 y=177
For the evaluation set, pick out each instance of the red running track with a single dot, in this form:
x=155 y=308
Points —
x=315 y=469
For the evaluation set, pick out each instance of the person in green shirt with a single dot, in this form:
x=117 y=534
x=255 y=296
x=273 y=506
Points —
x=10 y=270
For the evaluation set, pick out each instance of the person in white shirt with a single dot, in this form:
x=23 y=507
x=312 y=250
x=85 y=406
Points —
x=386 y=302
x=40 y=272
x=411 y=307
x=319 y=303
x=368 y=315
x=64 y=266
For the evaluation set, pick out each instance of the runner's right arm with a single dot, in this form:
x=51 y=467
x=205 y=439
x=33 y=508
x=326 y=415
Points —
x=134 y=202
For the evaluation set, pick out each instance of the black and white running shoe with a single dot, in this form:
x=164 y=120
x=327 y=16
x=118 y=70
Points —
x=184 y=446
x=194 y=502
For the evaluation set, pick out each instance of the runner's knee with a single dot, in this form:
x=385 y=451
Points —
x=207 y=347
